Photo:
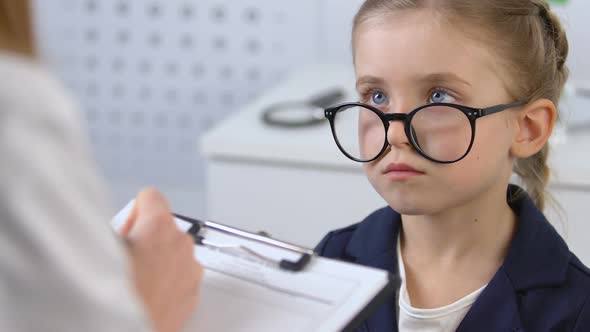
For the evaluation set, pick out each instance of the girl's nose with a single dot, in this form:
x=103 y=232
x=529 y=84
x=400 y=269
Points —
x=396 y=135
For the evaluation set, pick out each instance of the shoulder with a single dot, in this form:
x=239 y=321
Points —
x=334 y=244
x=564 y=306
x=28 y=89
x=581 y=270
x=17 y=70
x=579 y=279
x=36 y=110
x=575 y=295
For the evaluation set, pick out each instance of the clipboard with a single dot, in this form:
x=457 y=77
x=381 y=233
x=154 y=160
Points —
x=256 y=283
x=286 y=264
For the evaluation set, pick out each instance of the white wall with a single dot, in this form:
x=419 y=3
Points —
x=576 y=18
x=153 y=75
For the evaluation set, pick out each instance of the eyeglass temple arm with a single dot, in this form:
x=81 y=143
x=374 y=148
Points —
x=500 y=108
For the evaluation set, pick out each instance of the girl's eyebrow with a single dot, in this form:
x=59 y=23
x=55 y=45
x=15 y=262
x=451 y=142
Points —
x=368 y=79
x=442 y=77
x=433 y=78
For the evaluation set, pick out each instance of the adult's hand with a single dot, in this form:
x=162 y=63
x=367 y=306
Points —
x=163 y=268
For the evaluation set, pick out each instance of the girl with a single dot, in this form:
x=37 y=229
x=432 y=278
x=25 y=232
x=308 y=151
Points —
x=455 y=95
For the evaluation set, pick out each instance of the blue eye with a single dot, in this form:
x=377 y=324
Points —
x=378 y=98
x=441 y=96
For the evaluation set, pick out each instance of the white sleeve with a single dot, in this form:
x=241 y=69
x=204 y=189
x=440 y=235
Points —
x=61 y=266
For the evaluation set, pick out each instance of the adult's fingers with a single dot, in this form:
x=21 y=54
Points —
x=152 y=216
x=130 y=222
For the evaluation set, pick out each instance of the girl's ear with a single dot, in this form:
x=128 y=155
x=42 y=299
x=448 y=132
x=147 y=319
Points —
x=534 y=125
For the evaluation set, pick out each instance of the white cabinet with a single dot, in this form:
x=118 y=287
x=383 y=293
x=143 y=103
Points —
x=570 y=187
x=295 y=184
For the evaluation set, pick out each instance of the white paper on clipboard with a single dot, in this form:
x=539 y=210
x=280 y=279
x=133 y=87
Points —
x=240 y=292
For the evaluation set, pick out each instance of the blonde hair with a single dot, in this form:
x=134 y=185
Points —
x=529 y=39
x=16 y=30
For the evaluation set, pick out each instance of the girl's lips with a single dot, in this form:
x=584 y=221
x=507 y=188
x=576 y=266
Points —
x=400 y=171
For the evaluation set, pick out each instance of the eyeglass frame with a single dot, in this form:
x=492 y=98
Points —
x=472 y=114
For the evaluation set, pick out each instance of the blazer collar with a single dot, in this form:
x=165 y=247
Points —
x=537 y=255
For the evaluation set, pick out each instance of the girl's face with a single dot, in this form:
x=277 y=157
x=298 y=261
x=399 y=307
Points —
x=409 y=59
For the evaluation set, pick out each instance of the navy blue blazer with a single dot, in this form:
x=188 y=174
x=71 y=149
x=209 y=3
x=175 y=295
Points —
x=541 y=286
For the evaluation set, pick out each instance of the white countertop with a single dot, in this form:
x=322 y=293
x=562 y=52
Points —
x=243 y=136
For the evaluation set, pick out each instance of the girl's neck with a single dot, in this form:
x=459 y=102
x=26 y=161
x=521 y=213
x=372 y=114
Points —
x=452 y=254
x=479 y=229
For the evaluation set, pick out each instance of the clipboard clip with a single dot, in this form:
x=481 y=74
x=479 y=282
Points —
x=285 y=264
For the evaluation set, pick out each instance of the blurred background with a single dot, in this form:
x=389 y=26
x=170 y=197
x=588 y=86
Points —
x=153 y=75
x=172 y=90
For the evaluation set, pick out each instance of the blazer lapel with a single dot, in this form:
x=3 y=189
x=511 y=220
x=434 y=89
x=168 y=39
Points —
x=374 y=244
x=496 y=309
x=537 y=257
x=384 y=318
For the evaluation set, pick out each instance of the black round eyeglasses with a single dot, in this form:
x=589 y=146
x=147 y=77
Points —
x=440 y=132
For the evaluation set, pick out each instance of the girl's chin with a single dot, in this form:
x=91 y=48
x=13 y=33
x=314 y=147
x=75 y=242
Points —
x=410 y=204
x=404 y=206
x=408 y=210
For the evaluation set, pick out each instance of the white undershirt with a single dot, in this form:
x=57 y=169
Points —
x=442 y=319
